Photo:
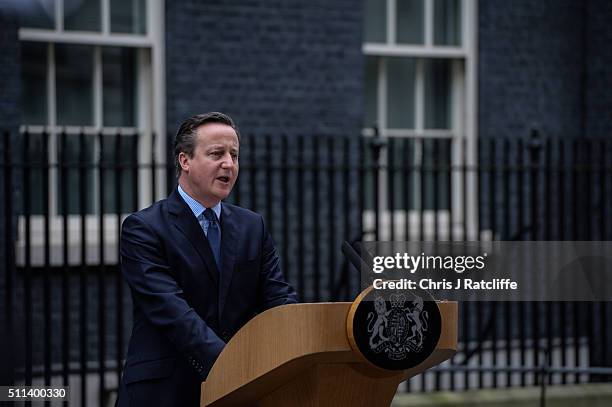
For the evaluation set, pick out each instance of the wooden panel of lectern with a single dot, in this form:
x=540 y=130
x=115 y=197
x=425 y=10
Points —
x=307 y=355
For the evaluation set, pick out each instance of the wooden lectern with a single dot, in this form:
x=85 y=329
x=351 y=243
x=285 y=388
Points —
x=300 y=355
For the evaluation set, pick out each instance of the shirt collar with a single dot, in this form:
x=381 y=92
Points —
x=196 y=207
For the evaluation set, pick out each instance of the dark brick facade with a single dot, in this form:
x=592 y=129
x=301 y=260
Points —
x=530 y=67
x=9 y=120
x=599 y=68
x=276 y=66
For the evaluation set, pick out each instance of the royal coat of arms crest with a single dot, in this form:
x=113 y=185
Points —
x=399 y=330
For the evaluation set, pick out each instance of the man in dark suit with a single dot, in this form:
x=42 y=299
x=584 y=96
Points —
x=198 y=270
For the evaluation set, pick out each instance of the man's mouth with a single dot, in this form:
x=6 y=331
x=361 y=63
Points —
x=223 y=178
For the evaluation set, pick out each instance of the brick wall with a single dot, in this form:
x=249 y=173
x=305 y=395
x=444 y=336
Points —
x=599 y=68
x=276 y=66
x=530 y=67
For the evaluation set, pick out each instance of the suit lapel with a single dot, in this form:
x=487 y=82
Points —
x=229 y=244
x=188 y=225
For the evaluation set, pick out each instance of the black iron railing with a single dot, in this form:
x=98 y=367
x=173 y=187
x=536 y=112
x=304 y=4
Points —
x=67 y=194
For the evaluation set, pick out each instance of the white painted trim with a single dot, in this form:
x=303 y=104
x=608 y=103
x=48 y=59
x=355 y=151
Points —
x=105 y=15
x=59 y=15
x=85 y=37
x=156 y=30
x=52 y=120
x=464 y=106
x=471 y=117
x=391 y=21
x=429 y=23
x=414 y=51
x=97 y=88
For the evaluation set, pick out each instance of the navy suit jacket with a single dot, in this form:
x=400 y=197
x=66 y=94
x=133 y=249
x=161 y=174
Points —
x=185 y=310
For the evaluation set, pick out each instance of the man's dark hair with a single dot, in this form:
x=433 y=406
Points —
x=186 y=136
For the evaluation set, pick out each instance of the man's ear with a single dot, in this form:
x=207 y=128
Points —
x=183 y=160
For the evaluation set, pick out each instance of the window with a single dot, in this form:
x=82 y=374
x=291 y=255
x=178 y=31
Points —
x=419 y=96
x=91 y=72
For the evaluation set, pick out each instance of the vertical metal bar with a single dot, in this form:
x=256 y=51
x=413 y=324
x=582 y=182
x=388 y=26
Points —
x=422 y=191
x=464 y=179
x=436 y=204
x=376 y=168
x=548 y=211
x=346 y=211
x=465 y=311
x=407 y=188
x=102 y=165
x=331 y=218
x=535 y=235
x=285 y=202
x=27 y=277
x=520 y=214
x=561 y=169
x=391 y=186
x=83 y=166
x=361 y=193
x=466 y=324
x=65 y=273
x=135 y=166
x=436 y=210
x=451 y=222
x=119 y=171
x=153 y=169
x=480 y=171
x=603 y=306
x=590 y=187
x=269 y=181
x=315 y=217
x=575 y=236
x=44 y=173
x=300 y=227
x=253 y=171
x=507 y=173
x=9 y=246
x=493 y=226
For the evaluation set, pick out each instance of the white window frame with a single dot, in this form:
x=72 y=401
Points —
x=151 y=118
x=463 y=131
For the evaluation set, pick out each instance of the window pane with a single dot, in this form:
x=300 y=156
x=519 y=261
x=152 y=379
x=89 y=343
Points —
x=33 y=83
x=447 y=22
x=370 y=91
x=400 y=93
x=375 y=24
x=117 y=158
x=37 y=13
x=410 y=16
x=128 y=16
x=74 y=70
x=82 y=15
x=438 y=93
x=72 y=158
x=119 y=86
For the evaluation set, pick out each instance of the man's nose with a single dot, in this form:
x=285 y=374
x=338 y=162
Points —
x=227 y=160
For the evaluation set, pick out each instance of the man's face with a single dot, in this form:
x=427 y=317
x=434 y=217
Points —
x=210 y=174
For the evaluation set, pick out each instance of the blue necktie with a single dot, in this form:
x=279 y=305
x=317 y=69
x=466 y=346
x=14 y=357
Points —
x=214 y=235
